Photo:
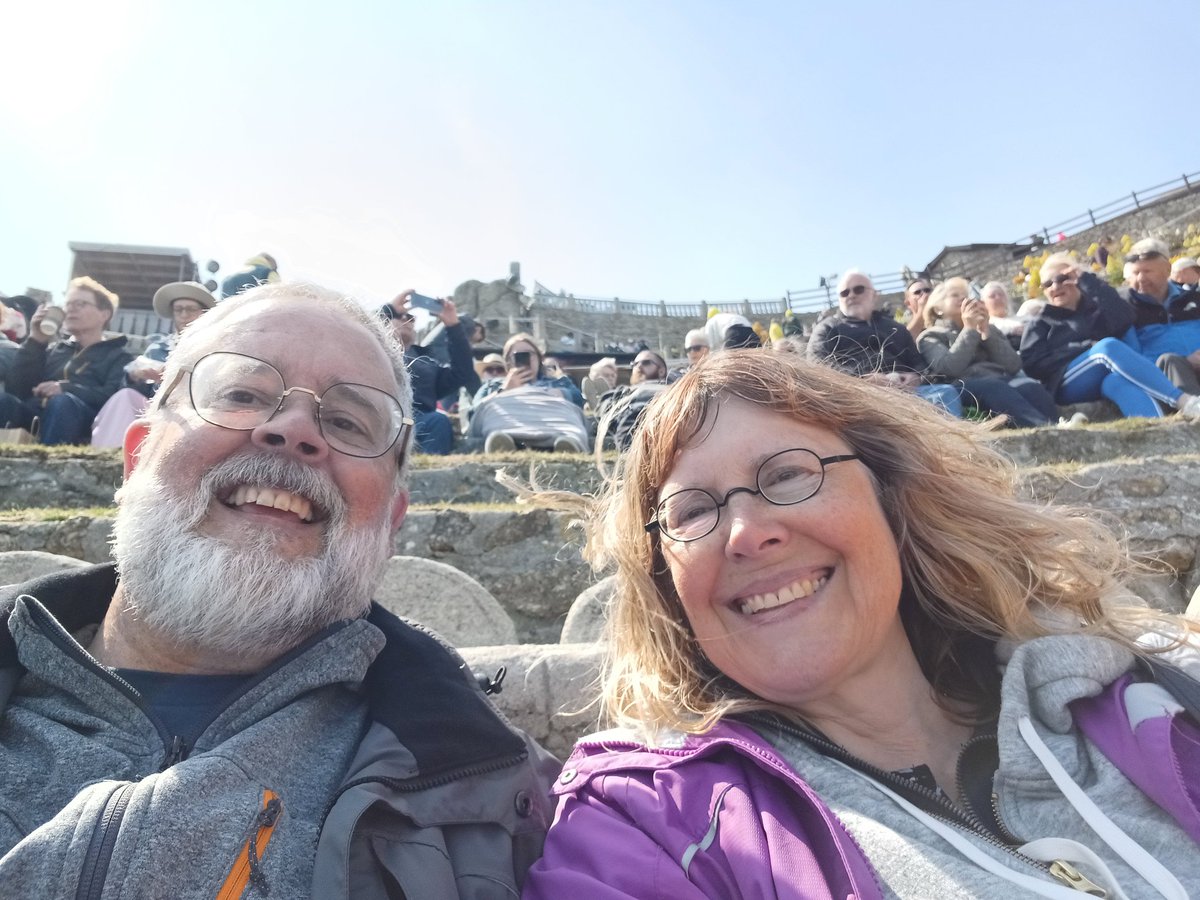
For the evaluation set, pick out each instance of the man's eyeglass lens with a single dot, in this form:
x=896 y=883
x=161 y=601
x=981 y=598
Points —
x=856 y=290
x=241 y=393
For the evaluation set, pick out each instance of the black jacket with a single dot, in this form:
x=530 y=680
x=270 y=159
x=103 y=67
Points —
x=865 y=347
x=93 y=374
x=1058 y=335
x=431 y=379
x=1183 y=307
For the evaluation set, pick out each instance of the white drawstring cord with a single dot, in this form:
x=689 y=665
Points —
x=1122 y=844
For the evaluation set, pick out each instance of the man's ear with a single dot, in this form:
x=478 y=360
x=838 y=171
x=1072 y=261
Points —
x=399 y=509
x=135 y=435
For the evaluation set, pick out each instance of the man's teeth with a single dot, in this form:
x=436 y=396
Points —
x=274 y=498
x=796 y=591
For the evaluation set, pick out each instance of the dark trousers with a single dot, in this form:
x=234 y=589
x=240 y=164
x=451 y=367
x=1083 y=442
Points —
x=64 y=419
x=1025 y=401
x=1180 y=371
x=434 y=432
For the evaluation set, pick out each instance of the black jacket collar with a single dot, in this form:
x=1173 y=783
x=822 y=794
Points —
x=417 y=687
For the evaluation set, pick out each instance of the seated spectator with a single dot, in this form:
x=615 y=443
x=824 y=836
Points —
x=695 y=345
x=916 y=295
x=491 y=366
x=621 y=408
x=13 y=326
x=1185 y=273
x=433 y=432
x=961 y=343
x=1166 y=318
x=999 y=308
x=601 y=378
x=719 y=324
x=261 y=269
x=860 y=340
x=1074 y=347
x=183 y=302
x=63 y=384
x=528 y=407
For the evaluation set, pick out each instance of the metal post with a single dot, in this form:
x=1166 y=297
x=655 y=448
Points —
x=1092 y=217
x=1186 y=183
x=1136 y=202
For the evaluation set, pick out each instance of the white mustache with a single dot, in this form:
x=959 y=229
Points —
x=280 y=472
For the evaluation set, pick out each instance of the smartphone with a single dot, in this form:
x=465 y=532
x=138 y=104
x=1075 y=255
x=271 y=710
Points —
x=421 y=301
x=523 y=359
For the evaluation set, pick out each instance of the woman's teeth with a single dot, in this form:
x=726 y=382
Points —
x=797 y=591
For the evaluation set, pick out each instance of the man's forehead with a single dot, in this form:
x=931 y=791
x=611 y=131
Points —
x=287 y=332
x=854 y=278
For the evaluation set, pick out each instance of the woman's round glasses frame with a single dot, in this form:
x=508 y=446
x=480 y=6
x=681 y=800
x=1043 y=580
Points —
x=787 y=482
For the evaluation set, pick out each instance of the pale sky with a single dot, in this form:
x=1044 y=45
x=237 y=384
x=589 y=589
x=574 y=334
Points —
x=648 y=150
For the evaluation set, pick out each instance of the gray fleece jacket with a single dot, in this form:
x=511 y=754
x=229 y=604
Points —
x=365 y=762
x=1041 y=680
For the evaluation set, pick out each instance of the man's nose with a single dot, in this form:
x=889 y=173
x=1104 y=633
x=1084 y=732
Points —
x=294 y=428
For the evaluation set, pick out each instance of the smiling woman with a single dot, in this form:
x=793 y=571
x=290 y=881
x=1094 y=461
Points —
x=839 y=651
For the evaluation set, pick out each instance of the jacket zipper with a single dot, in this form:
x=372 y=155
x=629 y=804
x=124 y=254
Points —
x=1060 y=870
x=246 y=867
x=100 y=847
x=175 y=749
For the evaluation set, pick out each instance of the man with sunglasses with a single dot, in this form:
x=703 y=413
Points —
x=859 y=339
x=224 y=712
x=1166 y=323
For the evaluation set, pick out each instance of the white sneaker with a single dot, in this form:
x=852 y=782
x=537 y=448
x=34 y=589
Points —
x=1189 y=406
x=564 y=444
x=499 y=442
x=1077 y=419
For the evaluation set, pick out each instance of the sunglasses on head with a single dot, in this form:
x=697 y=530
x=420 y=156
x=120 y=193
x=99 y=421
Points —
x=1059 y=280
x=856 y=291
x=1138 y=257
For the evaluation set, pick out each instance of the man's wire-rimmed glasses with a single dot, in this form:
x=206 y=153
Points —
x=784 y=479
x=240 y=392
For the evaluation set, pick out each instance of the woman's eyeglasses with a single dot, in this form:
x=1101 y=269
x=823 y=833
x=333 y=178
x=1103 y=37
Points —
x=785 y=479
x=922 y=290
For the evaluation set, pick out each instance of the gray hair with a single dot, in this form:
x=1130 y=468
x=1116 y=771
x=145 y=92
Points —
x=997 y=286
x=696 y=336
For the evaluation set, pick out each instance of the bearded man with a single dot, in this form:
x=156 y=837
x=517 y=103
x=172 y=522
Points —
x=224 y=712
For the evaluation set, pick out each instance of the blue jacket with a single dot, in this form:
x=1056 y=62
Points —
x=1169 y=327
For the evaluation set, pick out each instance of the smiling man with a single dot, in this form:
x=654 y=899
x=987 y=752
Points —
x=224 y=712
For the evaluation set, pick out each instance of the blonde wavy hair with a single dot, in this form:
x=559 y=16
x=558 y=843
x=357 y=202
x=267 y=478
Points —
x=978 y=563
x=934 y=309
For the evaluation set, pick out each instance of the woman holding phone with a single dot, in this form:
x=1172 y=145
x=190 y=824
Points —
x=549 y=417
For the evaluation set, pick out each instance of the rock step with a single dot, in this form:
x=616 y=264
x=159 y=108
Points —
x=34 y=477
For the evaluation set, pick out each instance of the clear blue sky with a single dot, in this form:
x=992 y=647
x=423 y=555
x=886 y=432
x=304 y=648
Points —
x=648 y=150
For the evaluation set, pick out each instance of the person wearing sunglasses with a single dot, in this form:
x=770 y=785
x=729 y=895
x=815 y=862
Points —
x=844 y=660
x=916 y=295
x=859 y=339
x=695 y=345
x=1166 y=317
x=1075 y=347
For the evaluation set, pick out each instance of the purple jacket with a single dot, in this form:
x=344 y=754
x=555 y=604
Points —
x=721 y=815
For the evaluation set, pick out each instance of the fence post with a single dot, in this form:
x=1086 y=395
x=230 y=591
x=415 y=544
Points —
x=1092 y=217
x=1187 y=184
x=1136 y=202
x=1046 y=234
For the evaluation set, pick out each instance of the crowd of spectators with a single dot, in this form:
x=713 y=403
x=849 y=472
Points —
x=961 y=346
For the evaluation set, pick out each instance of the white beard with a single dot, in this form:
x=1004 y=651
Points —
x=244 y=601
